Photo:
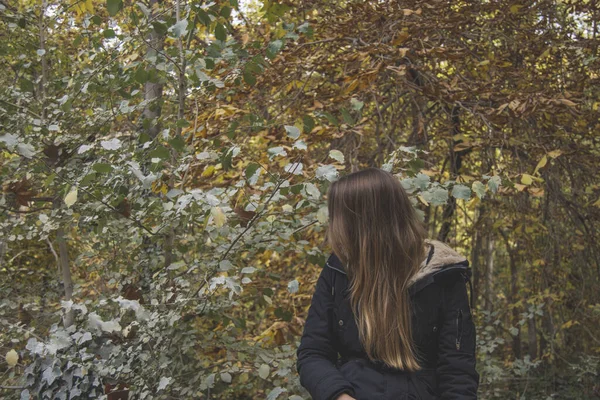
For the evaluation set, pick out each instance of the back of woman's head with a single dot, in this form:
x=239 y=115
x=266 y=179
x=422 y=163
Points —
x=375 y=231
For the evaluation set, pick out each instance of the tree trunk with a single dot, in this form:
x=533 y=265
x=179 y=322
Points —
x=153 y=90
x=489 y=273
x=532 y=338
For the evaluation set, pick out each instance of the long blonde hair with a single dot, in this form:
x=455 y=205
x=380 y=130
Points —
x=375 y=231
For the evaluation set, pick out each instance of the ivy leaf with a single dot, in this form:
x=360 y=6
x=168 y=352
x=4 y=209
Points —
x=494 y=183
x=327 y=172
x=293 y=286
x=274 y=394
x=292 y=131
x=479 y=189
x=299 y=144
x=276 y=151
x=10 y=140
x=436 y=196
x=337 y=155
x=422 y=181
x=164 y=382
x=26 y=150
x=114 y=6
x=461 y=192
x=356 y=104
x=294 y=168
x=180 y=28
x=112 y=144
x=312 y=190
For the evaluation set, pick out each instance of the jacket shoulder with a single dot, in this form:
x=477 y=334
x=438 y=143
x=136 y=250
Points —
x=333 y=262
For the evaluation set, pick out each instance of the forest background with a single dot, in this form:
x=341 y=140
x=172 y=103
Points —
x=164 y=165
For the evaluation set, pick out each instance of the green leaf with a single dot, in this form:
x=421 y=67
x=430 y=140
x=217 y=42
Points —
x=177 y=143
x=26 y=85
x=108 y=33
x=160 y=152
x=159 y=27
x=220 y=32
x=182 y=123
x=249 y=77
x=114 y=6
x=89 y=178
x=141 y=75
x=274 y=48
x=346 y=117
x=295 y=189
x=103 y=168
x=333 y=120
x=251 y=170
x=203 y=17
x=308 y=122
x=225 y=12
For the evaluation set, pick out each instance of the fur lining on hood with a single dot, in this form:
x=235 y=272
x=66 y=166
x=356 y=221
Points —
x=443 y=255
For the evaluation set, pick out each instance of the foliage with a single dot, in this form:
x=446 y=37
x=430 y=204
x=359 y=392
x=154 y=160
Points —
x=170 y=159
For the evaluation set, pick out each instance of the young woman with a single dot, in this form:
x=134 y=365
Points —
x=390 y=302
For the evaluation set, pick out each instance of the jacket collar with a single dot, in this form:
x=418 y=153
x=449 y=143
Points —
x=441 y=259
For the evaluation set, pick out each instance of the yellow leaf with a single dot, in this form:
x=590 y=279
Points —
x=208 y=171
x=422 y=200
x=12 y=358
x=520 y=187
x=89 y=6
x=218 y=216
x=71 y=198
x=541 y=164
x=555 y=153
x=545 y=54
x=537 y=192
x=515 y=8
x=597 y=203
x=428 y=172
x=567 y=102
x=526 y=179
x=569 y=324
x=401 y=38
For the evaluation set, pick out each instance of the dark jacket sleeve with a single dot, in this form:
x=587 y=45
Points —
x=457 y=377
x=316 y=353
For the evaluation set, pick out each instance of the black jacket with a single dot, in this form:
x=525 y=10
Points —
x=332 y=361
